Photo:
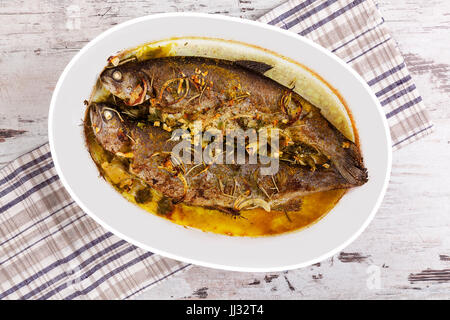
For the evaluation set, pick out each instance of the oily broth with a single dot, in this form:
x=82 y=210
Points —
x=256 y=222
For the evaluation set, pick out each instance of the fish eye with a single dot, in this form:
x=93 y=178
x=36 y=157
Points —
x=117 y=75
x=107 y=114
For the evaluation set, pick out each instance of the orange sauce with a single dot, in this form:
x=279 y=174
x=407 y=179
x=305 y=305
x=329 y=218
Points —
x=258 y=222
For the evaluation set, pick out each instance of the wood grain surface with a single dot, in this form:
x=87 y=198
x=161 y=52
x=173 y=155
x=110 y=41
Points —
x=404 y=253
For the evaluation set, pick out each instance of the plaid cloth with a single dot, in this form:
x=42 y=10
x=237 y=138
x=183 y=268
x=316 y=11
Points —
x=50 y=249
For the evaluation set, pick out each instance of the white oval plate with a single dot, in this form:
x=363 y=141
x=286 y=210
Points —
x=274 y=253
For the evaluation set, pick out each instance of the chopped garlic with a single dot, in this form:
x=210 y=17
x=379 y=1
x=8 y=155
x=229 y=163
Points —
x=125 y=155
x=115 y=61
x=167 y=128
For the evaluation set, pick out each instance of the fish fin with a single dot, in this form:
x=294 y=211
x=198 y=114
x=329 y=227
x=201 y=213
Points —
x=230 y=211
x=259 y=67
x=352 y=171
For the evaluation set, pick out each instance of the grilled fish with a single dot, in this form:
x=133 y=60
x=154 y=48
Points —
x=229 y=188
x=224 y=94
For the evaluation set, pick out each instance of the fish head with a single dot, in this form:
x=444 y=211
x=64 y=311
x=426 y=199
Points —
x=126 y=83
x=109 y=128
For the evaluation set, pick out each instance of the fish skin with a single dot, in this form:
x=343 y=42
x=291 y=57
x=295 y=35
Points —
x=224 y=75
x=264 y=98
x=204 y=188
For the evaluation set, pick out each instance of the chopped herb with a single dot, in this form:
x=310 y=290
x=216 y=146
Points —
x=165 y=206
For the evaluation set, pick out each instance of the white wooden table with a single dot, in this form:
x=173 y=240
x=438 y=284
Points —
x=404 y=253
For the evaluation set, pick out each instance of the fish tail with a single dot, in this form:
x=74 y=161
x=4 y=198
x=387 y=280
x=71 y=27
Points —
x=352 y=169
